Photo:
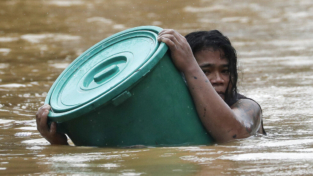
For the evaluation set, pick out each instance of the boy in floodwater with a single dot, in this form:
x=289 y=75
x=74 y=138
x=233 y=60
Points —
x=209 y=64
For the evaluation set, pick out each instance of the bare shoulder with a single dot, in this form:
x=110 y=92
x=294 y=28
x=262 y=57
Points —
x=249 y=113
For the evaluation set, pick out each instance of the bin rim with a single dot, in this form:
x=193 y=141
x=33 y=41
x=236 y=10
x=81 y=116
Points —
x=104 y=99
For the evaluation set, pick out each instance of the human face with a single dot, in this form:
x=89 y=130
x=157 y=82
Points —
x=215 y=66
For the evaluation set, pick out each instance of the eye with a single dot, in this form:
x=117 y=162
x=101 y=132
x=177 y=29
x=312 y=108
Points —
x=206 y=72
x=226 y=71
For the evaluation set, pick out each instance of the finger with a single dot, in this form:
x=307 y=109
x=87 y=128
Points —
x=46 y=106
x=169 y=43
x=53 y=128
x=167 y=31
x=38 y=115
x=37 y=118
x=163 y=31
x=179 y=37
x=43 y=121
x=170 y=37
x=173 y=32
x=41 y=109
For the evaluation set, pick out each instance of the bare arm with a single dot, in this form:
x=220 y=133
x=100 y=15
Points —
x=250 y=114
x=50 y=134
x=219 y=119
x=222 y=122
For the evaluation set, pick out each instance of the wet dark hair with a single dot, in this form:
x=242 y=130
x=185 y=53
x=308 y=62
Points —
x=214 y=39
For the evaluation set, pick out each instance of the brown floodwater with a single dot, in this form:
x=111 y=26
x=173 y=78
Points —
x=274 y=39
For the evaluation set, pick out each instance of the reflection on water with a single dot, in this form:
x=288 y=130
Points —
x=38 y=39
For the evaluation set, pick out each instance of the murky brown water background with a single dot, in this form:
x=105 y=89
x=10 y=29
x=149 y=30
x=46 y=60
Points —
x=274 y=39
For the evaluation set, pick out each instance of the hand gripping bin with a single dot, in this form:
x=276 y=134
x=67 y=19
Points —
x=126 y=91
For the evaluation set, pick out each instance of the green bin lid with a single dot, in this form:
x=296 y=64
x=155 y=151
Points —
x=104 y=71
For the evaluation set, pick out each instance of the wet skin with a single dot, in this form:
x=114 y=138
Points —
x=215 y=66
x=207 y=77
x=49 y=133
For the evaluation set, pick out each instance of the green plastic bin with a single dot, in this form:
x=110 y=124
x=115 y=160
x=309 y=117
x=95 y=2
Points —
x=125 y=91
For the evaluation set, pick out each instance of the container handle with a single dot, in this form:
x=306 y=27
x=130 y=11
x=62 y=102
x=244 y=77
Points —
x=105 y=73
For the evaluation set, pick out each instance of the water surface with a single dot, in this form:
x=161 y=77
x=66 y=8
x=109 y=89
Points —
x=39 y=39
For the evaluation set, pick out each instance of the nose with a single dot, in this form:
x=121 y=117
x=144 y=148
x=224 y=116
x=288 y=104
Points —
x=216 y=78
